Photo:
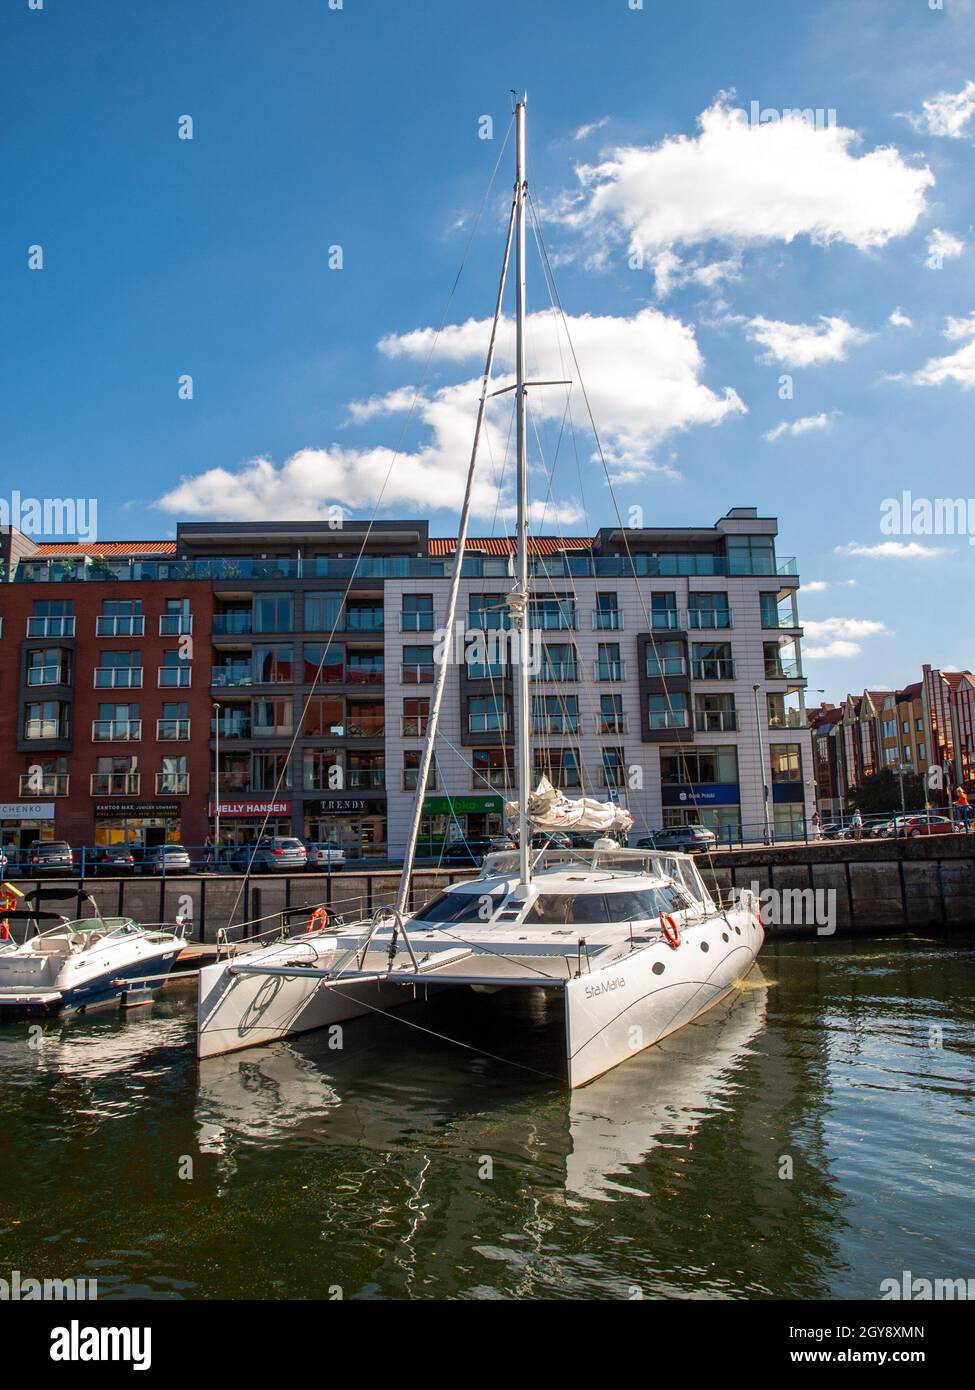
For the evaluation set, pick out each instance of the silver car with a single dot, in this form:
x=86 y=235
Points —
x=325 y=855
x=166 y=859
x=282 y=852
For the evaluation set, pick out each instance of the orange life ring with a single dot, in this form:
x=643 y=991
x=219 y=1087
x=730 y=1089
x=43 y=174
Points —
x=318 y=920
x=670 y=930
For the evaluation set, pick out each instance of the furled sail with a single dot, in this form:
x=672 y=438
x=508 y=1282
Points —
x=550 y=809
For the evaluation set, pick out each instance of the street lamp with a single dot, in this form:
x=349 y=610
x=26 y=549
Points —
x=761 y=764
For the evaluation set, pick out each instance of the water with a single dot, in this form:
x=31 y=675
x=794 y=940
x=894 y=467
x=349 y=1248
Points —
x=366 y=1170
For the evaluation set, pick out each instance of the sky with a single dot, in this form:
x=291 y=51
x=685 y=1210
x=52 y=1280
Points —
x=266 y=320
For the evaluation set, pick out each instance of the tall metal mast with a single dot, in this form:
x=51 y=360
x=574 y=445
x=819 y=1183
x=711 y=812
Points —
x=523 y=700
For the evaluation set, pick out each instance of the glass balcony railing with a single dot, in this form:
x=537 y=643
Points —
x=365 y=777
x=547 y=620
x=172 y=783
x=498 y=778
x=668 y=719
x=612 y=724
x=133 y=625
x=115 y=783
x=558 y=671
x=782 y=670
x=233 y=624
x=610 y=670
x=365 y=675
x=607 y=620
x=175 y=624
x=172 y=730
x=51 y=627
x=411 y=779
x=231 y=676
x=568 y=725
x=118 y=677
x=417 y=673
x=487 y=723
x=670 y=666
x=710 y=617
x=49 y=675
x=116 y=730
x=787 y=719
x=48 y=784
x=716 y=721
x=417 y=622
x=175 y=677
x=713 y=669
x=489 y=619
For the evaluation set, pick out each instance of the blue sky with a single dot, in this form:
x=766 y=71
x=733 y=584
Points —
x=359 y=127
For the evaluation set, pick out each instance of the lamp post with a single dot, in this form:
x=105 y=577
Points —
x=761 y=763
x=216 y=786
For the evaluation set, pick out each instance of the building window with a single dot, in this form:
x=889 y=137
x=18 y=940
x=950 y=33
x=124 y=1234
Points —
x=666 y=658
x=365 y=770
x=416 y=712
x=174 y=724
x=486 y=714
x=115 y=776
x=711 y=661
x=559 y=662
x=715 y=713
x=274 y=613
x=611 y=719
x=47 y=719
x=176 y=671
x=609 y=666
x=555 y=714
x=325 y=717
x=750 y=554
x=606 y=615
x=173 y=778
x=270 y=770
x=708 y=610
x=48 y=666
x=487 y=611
x=176 y=621
x=366 y=668
x=667 y=711
x=418 y=666
x=492 y=767
x=560 y=765
x=613 y=771
x=118 y=669
x=786 y=762
x=323 y=663
x=272 y=718
x=367 y=719
x=273 y=665
x=46 y=777
x=699 y=765
x=116 y=723
x=322 y=770
x=417 y=613
x=552 y=613
x=322 y=612
x=411 y=771
x=52 y=618
x=120 y=618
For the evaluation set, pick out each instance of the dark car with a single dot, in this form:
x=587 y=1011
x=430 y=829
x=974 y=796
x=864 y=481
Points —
x=468 y=852
x=551 y=839
x=48 y=857
x=109 y=859
x=683 y=837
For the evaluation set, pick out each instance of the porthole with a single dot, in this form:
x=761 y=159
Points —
x=705 y=946
x=658 y=967
x=738 y=931
x=724 y=936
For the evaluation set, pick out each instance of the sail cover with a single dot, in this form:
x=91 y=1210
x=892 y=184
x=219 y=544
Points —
x=549 y=809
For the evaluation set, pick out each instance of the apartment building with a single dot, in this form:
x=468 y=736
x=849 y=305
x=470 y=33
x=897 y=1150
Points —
x=279 y=674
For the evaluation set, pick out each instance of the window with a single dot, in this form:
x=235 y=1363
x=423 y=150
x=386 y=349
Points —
x=890 y=728
x=750 y=554
x=321 y=770
x=120 y=618
x=322 y=612
x=116 y=723
x=176 y=670
x=173 y=778
x=272 y=718
x=48 y=719
x=555 y=714
x=922 y=755
x=45 y=777
x=367 y=719
x=325 y=717
x=115 y=776
x=609 y=666
x=708 y=610
x=177 y=619
x=905 y=728
x=611 y=718
x=699 y=765
x=417 y=613
x=666 y=658
x=486 y=714
x=492 y=767
x=411 y=771
x=552 y=613
x=560 y=765
x=48 y=666
x=416 y=712
x=786 y=761
x=330 y=660
x=663 y=611
x=274 y=613
x=365 y=769
x=52 y=618
x=778 y=609
x=119 y=669
x=488 y=611
x=667 y=711
x=418 y=667
x=607 y=615
x=174 y=723
x=781 y=658
x=365 y=668
x=558 y=662
x=273 y=665
x=711 y=661
x=613 y=772
x=716 y=713
x=270 y=770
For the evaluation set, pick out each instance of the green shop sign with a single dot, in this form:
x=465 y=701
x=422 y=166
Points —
x=461 y=805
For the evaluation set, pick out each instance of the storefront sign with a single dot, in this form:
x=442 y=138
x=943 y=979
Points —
x=251 y=808
x=344 y=806
x=700 y=794
x=26 y=810
x=462 y=805
x=787 y=791
x=137 y=808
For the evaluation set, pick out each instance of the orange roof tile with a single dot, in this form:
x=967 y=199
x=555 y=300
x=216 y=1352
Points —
x=51 y=548
x=505 y=545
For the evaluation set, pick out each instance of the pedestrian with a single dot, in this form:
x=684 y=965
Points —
x=816 y=826
x=962 y=807
x=857 y=824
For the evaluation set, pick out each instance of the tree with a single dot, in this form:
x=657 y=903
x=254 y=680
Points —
x=882 y=793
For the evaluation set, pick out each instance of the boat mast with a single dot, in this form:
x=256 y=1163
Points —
x=523 y=700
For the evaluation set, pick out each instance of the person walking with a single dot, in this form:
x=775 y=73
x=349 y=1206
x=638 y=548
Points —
x=961 y=806
x=816 y=826
x=857 y=824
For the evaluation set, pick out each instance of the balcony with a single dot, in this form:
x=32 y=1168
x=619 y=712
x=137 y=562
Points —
x=713 y=721
x=172 y=783
x=788 y=719
x=710 y=618
x=366 y=728
x=118 y=677
x=567 y=725
x=48 y=784
x=51 y=627
x=417 y=622
x=607 y=620
x=417 y=674
x=499 y=779
x=547 y=621
x=175 y=677
x=713 y=669
x=175 y=624
x=230 y=728
x=115 y=783
x=172 y=730
x=487 y=723
x=229 y=676
x=43 y=729
x=612 y=724
x=558 y=671
x=669 y=719
x=490 y=619
x=49 y=675
x=129 y=625
x=610 y=670
x=116 y=730
x=670 y=666
x=365 y=675
x=364 y=620
x=667 y=618
x=233 y=624
x=783 y=671
x=365 y=777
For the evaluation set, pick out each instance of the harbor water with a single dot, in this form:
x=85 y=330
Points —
x=809 y=1138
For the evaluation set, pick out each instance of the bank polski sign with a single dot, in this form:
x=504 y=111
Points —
x=26 y=810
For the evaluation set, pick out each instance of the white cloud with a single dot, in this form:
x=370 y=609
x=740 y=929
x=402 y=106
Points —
x=890 y=550
x=815 y=586
x=955 y=366
x=943 y=246
x=838 y=637
x=947 y=113
x=899 y=319
x=801 y=426
x=805 y=344
x=749 y=184
x=642 y=375
x=591 y=128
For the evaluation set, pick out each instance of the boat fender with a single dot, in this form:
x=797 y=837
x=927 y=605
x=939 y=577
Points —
x=318 y=920
x=670 y=930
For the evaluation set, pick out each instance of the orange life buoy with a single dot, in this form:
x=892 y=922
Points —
x=318 y=920
x=670 y=930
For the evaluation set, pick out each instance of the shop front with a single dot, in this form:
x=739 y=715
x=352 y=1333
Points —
x=23 y=822
x=357 y=824
x=715 y=805
x=789 y=810
x=137 y=823
x=459 y=818
x=242 y=821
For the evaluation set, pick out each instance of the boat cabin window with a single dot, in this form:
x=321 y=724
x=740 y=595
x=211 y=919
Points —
x=587 y=909
x=460 y=907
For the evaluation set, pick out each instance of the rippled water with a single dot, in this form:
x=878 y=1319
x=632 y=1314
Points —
x=405 y=1167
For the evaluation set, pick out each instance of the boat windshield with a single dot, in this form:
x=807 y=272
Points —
x=460 y=907
x=588 y=909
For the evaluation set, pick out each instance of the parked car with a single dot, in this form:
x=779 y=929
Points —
x=927 y=825
x=324 y=855
x=683 y=837
x=109 y=859
x=551 y=839
x=273 y=854
x=469 y=852
x=165 y=859
x=48 y=857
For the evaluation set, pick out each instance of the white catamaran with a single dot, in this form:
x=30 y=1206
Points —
x=630 y=940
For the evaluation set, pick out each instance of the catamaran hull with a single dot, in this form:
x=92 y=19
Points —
x=614 y=1012
x=238 y=1010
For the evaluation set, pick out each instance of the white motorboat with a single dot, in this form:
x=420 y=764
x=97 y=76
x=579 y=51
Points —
x=631 y=941
x=78 y=963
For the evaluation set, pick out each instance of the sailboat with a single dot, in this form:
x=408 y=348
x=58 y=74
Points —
x=630 y=940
